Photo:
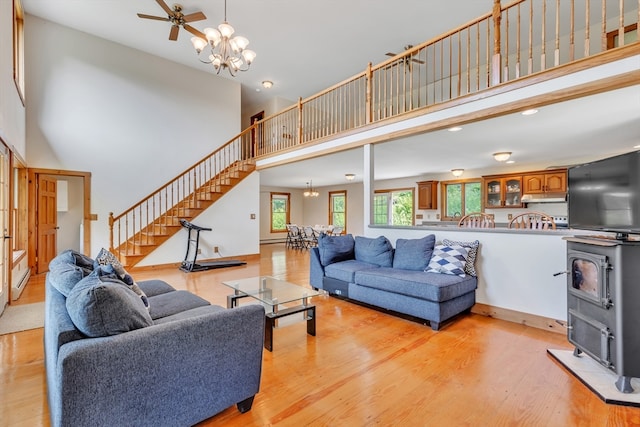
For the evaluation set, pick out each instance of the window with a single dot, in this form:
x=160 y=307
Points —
x=279 y=212
x=18 y=47
x=338 y=209
x=393 y=207
x=461 y=197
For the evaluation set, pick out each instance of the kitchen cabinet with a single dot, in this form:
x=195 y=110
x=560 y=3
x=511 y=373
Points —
x=428 y=195
x=545 y=182
x=502 y=191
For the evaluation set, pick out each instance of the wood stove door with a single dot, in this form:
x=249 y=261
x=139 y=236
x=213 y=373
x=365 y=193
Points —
x=591 y=336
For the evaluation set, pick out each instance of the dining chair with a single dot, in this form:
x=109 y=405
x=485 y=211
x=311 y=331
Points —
x=477 y=220
x=293 y=236
x=533 y=221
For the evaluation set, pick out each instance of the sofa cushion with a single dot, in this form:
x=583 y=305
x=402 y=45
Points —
x=346 y=270
x=472 y=248
x=335 y=248
x=64 y=276
x=106 y=258
x=101 y=305
x=171 y=303
x=418 y=284
x=448 y=260
x=414 y=254
x=187 y=314
x=374 y=250
x=154 y=287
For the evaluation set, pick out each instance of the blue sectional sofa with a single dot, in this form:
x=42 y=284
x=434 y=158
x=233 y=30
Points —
x=120 y=353
x=416 y=278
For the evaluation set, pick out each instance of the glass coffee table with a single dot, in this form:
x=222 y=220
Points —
x=274 y=293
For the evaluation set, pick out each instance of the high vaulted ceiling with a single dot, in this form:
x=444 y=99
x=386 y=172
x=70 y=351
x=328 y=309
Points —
x=305 y=47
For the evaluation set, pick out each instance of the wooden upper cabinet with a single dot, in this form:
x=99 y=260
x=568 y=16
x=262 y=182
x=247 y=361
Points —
x=502 y=191
x=545 y=182
x=428 y=195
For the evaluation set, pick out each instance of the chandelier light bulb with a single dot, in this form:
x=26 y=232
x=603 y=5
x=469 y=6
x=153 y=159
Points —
x=457 y=172
x=225 y=29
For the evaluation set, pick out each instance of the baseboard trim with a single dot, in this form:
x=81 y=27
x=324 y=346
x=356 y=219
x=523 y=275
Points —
x=540 y=322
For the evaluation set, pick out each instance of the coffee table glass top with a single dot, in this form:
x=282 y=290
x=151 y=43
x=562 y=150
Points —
x=270 y=290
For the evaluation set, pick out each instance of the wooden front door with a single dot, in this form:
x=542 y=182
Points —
x=47 y=222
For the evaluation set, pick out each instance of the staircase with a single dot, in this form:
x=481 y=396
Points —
x=141 y=229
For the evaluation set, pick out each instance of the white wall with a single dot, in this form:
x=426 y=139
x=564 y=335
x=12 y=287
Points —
x=270 y=107
x=133 y=120
x=12 y=112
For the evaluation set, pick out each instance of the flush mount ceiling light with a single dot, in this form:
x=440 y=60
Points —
x=267 y=84
x=502 y=156
x=454 y=129
x=224 y=51
x=349 y=176
x=457 y=172
x=529 y=112
x=310 y=192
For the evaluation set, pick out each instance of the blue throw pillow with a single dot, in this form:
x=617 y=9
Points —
x=64 y=277
x=448 y=260
x=414 y=254
x=374 y=250
x=101 y=305
x=335 y=248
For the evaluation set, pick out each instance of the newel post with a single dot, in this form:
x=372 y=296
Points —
x=368 y=104
x=496 y=60
x=111 y=232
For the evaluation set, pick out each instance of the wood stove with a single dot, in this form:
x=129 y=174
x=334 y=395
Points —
x=603 y=303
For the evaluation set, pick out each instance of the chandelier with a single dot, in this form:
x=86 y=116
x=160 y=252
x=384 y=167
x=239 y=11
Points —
x=310 y=192
x=224 y=51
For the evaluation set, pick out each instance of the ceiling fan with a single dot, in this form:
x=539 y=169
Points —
x=177 y=19
x=405 y=59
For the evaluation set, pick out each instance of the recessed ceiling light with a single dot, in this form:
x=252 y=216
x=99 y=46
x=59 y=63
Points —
x=454 y=129
x=510 y=161
x=267 y=84
x=529 y=112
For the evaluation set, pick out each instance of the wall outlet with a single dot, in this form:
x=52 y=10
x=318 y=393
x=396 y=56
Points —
x=215 y=250
x=510 y=217
x=437 y=216
x=199 y=251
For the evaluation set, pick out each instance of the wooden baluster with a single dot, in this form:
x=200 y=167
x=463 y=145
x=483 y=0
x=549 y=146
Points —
x=543 y=43
x=556 y=56
x=530 y=59
x=587 y=30
x=518 y=34
x=572 y=31
x=603 y=32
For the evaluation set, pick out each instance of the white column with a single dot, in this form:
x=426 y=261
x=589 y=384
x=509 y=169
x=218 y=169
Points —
x=368 y=181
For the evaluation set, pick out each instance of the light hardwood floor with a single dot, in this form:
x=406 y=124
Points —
x=363 y=368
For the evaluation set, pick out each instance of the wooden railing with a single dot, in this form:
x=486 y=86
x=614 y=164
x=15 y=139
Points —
x=506 y=44
x=143 y=223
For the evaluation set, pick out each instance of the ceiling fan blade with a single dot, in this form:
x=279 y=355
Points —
x=192 y=17
x=165 y=7
x=173 y=34
x=157 y=18
x=390 y=54
x=194 y=31
x=418 y=61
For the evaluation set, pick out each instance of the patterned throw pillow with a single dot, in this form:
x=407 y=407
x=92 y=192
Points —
x=448 y=260
x=472 y=248
x=106 y=258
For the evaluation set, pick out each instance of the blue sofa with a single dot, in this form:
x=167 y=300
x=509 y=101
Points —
x=417 y=278
x=123 y=353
